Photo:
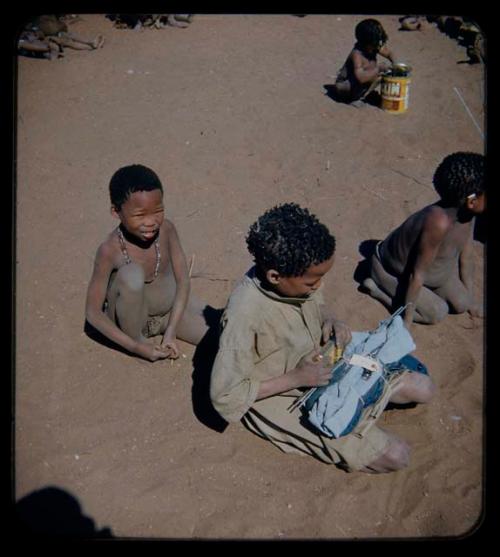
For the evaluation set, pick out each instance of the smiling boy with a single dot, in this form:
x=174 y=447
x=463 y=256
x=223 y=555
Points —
x=140 y=284
x=273 y=327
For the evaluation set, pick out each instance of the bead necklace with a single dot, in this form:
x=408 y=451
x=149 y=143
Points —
x=127 y=257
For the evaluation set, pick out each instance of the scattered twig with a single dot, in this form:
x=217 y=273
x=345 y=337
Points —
x=410 y=177
x=469 y=112
x=374 y=193
x=191 y=265
x=208 y=276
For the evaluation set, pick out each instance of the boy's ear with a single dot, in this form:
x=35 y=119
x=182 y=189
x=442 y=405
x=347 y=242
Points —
x=471 y=202
x=114 y=212
x=273 y=277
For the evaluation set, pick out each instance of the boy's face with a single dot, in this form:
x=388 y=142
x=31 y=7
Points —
x=303 y=286
x=142 y=214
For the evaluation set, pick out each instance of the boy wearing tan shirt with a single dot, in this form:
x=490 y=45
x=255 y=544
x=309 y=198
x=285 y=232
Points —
x=273 y=327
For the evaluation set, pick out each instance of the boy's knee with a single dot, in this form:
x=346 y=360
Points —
x=131 y=276
x=427 y=390
x=460 y=305
x=397 y=455
x=436 y=313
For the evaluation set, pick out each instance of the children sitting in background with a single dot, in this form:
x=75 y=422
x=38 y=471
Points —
x=361 y=72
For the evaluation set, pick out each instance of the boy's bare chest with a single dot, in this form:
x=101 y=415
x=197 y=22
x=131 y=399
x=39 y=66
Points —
x=153 y=260
x=368 y=64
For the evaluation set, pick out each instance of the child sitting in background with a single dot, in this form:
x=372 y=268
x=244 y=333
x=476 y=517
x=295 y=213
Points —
x=361 y=73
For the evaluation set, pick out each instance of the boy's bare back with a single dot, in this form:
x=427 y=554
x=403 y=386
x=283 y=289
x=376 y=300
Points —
x=432 y=230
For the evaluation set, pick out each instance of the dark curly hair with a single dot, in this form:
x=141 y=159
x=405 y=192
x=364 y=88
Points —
x=459 y=175
x=129 y=179
x=289 y=240
x=370 y=32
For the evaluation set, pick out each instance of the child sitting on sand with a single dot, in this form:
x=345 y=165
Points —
x=361 y=73
x=140 y=283
x=426 y=261
x=273 y=326
x=30 y=44
x=53 y=29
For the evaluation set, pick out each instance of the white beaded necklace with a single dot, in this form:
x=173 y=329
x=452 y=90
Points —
x=127 y=257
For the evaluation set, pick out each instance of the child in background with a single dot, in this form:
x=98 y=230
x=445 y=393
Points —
x=361 y=73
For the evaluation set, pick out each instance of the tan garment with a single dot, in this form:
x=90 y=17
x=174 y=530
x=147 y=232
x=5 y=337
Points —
x=265 y=335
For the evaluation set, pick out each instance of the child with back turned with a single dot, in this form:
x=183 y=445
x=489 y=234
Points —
x=426 y=262
x=361 y=72
x=140 y=283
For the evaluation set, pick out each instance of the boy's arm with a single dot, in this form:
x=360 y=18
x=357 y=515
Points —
x=309 y=373
x=96 y=294
x=466 y=270
x=181 y=274
x=362 y=74
x=466 y=266
x=233 y=385
x=387 y=53
x=433 y=232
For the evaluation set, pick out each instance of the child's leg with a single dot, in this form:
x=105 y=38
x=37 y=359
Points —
x=160 y=295
x=395 y=456
x=193 y=324
x=373 y=85
x=126 y=300
x=171 y=19
x=75 y=42
x=455 y=293
x=413 y=387
x=35 y=45
x=342 y=91
x=381 y=285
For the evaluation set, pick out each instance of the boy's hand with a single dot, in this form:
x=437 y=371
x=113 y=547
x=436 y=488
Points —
x=383 y=67
x=151 y=352
x=169 y=345
x=311 y=372
x=338 y=328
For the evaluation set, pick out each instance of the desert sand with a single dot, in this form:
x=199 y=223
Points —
x=232 y=114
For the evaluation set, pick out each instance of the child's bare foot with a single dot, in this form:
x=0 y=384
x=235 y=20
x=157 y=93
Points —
x=54 y=53
x=98 y=42
x=173 y=21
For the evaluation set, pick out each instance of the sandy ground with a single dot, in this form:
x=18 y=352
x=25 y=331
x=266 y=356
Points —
x=232 y=115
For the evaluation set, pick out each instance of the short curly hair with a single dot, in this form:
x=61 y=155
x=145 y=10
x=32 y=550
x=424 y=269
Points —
x=129 y=179
x=370 y=32
x=459 y=175
x=289 y=239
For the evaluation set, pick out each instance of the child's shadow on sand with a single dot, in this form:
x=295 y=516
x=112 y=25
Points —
x=362 y=271
x=203 y=361
x=373 y=99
